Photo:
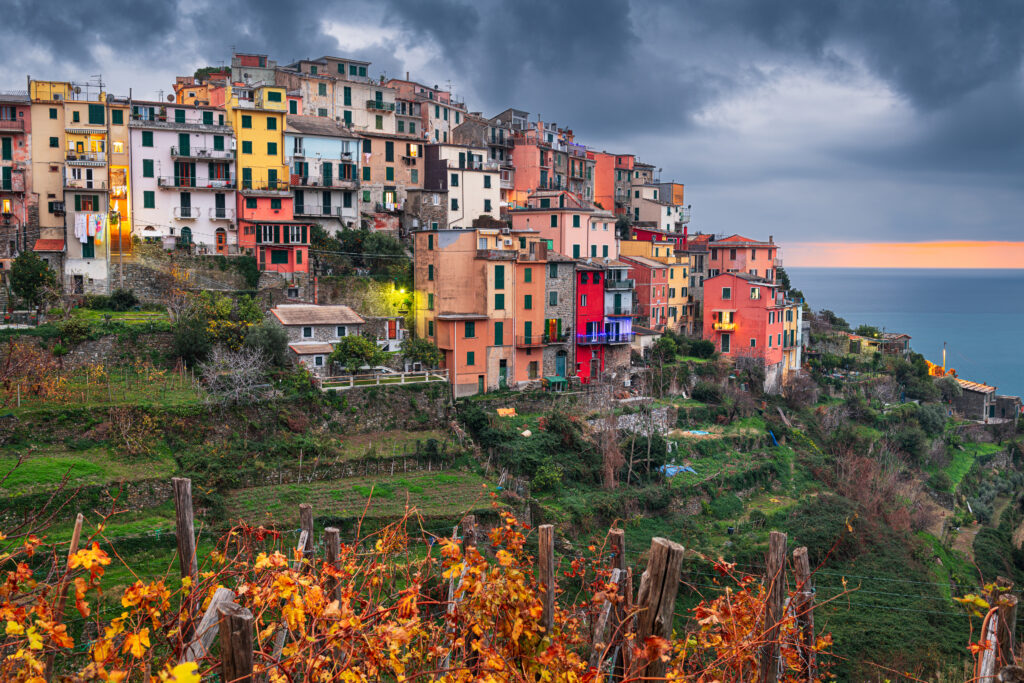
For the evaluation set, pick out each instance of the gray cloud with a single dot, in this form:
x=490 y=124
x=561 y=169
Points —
x=689 y=85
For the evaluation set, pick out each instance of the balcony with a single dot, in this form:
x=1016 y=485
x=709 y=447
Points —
x=186 y=213
x=618 y=338
x=529 y=340
x=202 y=153
x=497 y=254
x=86 y=158
x=556 y=338
x=619 y=310
x=723 y=327
x=299 y=152
x=585 y=339
x=278 y=188
x=319 y=181
x=778 y=262
x=14 y=184
x=222 y=214
x=620 y=285
x=313 y=210
x=375 y=105
x=506 y=184
x=12 y=125
x=176 y=182
x=90 y=185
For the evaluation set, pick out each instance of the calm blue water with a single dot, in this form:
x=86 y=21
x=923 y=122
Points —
x=978 y=313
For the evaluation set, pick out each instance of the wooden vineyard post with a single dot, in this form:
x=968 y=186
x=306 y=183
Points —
x=803 y=608
x=306 y=524
x=468 y=545
x=468 y=533
x=1006 y=632
x=775 y=579
x=617 y=546
x=546 y=538
x=999 y=631
x=656 y=600
x=332 y=543
x=62 y=588
x=208 y=626
x=235 y=644
x=185 y=529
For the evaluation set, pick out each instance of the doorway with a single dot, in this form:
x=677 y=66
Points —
x=222 y=241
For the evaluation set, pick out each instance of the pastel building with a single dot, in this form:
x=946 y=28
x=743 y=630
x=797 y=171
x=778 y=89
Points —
x=17 y=199
x=324 y=159
x=440 y=111
x=390 y=165
x=745 y=316
x=574 y=227
x=183 y=176
x=468 y=179
x=738 y=254
x=679 y=306
x=651 y=290
x=652 y=207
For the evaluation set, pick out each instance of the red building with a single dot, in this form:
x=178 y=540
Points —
x=590 y=337
x=738 y=254
x=651 y=234
x=15 y=175
x=651 y=288
x=743 y=316
x=266 y=229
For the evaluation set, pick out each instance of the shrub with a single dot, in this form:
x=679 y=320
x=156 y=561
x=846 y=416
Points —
x=73 y=330
x=270 y=340
x=707 y=392
x=725 y=507
x=702 y=348
x=932 y=418
x=940 y=481
x=911 y=440
x=355 y=351
x=31 y=278
x=547 y=478
x=191 y=340
x=123 y=300
x=247 y=267
x=421 y=351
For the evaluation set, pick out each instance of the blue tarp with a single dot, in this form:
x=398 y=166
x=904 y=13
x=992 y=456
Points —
x=673 y=470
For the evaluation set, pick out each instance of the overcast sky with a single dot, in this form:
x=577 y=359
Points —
x=812 y=120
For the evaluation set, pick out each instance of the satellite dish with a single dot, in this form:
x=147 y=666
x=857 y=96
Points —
x=78 y=89
x=170 y=98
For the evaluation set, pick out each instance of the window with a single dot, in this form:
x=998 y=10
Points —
x=593 y=251
x=755 y=292
x=726 y=293
x=554 y=220
x=341 y=331
x=379 y=122
x=414 y=176
x=430 y=241
x=179 y=116
x=583 y=300
x=74 y=117
x=732 y=254
x=275 y=95
x=769 y=341
x=366 y=176
x=725 y=343
x=250 y=202
x=487 y=206
x=753 y=343
x=96 y=116
x=412 y=127
x=307 y=332
x=487 y=182
x=322 y=89
x=246 y=146
x=430 y=328
x=147 y=138
x=470 y=329
x=499 y=302
x=246 y=121
x=293 y=106
x=53 y=112
x=389 y=173
x=604 y=251
x=117 y=117
x=528 y=302
x=272 y=148
x=149 y=199
x=318 y=360
x=455 y=180
x=348 y=96
x=55 y=142
x=552 y=298
x=430 y=302
x=575 y=220
x=575 y=251
x=470 y=358
x=275 y=204
x=147 y=168
x=401 y=126
x=528 y=275
x=321 y=112
x=499 y=333
x=455 y=204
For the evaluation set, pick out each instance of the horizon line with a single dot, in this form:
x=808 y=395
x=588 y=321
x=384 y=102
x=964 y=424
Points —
x=945 y=254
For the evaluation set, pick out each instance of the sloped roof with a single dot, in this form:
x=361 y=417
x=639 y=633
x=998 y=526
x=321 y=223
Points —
x=312 y=314
x=975 y=386
x=312 y=349
x=644 y=261
x=49 y=245
x=740 y=239
x=316 y=125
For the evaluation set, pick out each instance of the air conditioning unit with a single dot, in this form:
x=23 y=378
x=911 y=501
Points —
x=506 y=231
x=508 y=243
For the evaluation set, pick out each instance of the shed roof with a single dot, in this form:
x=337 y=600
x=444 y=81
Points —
x=975 y=386
x=312 y=314
x=311 y=348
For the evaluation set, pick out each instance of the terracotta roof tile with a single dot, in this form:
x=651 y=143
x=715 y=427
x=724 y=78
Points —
x=311 y=314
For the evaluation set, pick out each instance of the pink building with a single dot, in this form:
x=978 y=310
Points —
x=572 y=226
x=738 y=254
x=15 y=175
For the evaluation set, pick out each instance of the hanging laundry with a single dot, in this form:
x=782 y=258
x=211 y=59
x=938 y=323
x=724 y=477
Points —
x=101 y=227
x=81 y=227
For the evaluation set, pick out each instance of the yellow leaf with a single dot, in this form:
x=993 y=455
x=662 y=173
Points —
x=136 y=643
x=14 y=628
x=35 y=639
x=182 y=673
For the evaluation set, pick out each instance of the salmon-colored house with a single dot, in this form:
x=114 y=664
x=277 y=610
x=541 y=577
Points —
x=738 y=254
x=652 y=280
x=573 y=227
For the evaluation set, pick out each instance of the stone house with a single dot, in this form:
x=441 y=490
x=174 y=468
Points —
x=389 y=331
x=559 y=316
x=976 y=402
x=314 y=330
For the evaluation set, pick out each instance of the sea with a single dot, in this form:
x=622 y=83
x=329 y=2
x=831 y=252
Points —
x=978 y=314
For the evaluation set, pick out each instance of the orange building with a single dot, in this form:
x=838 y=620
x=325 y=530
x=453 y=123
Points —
x=738 y=254
x=604 y=179
x=480 y=297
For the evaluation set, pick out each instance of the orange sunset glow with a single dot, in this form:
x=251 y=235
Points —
x=963 y=254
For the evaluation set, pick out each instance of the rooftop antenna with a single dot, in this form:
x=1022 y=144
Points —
x=943 y=358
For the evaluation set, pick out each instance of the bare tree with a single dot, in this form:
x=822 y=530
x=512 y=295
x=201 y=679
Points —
x=234 y=377
x=800 y=391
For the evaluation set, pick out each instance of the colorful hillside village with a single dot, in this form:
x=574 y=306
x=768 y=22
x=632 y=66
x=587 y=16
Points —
x=538 y=261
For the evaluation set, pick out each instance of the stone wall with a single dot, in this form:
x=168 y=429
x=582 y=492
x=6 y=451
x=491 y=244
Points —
x=564 y=285
x=107 y=350
x=379 y=408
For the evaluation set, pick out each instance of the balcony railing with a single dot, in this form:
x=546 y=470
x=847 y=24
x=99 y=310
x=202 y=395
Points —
x=497 y=254
x=75 y=184
x=376 y=105
x=620 y=284
x=506 y=184
x=723 y=327
x=595 y=338
x=778 y=262
x=619 y=310
x=85 y=158
x=298 y=152
x=12 y=125
x=320 y=181
x=619 y=338
x=556 y=338
x=222 y=214
x=275 y=187
x=529 y=340
x=202 y=153
x=313 y=210
x=605 y=338
x=196 y=183
x=186 y=212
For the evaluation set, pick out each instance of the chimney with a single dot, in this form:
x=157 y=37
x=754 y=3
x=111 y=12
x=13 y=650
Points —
x=686 y=234
x=406 y=75
x=771 y=239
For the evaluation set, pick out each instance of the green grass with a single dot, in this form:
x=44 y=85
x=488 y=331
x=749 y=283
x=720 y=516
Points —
x=45 y=466
x=128 y=317
x=962 y=461
x=120 y=386
x=431 y=493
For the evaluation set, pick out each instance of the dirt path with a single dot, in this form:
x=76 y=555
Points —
x=1018 y=535
x=964 y=541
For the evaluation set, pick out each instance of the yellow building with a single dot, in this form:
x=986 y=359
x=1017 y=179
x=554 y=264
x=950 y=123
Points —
x=792 y=343
x=257 y=116
x=679 y=307
x=120 y=219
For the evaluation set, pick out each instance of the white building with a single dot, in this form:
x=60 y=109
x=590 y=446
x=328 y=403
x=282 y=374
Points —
x=323 y=157
x=473 y=185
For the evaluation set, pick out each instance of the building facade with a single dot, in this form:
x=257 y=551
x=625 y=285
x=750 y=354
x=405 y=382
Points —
x=324 y=160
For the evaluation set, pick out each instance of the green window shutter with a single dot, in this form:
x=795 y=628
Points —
x=430 y=240
x=96 y=116
x=499 y=333
x=149 y=199
x=179 y=116
x=348 y=119
x=279 y=256
x=552 y=298
x=275 y=96
x=272 y=148
x=277 y=233
x=430 y=272
x=6 y=152
x=89 y=248
x=147 y=168
x=528 y=302
x=554 y=220
x=366 y=174
x=246 y=146
x=271 y=123
x=322 y=89
x=389 y=173
x=470 y=329
x=430 y=302
x=250 y=202
x=389 y=151
x=348 y=97
x=208 y=118
x=576 y=251
x=430 y=328
x=218 y=142
x=293 y=107
x=246 y=121
x=575 y=220
x=604 y=251
x=78 y=202
x=528 y=275
x=147 y=138
x=53 y=112
x=499 y=302
x=499 y=277
x=470 y=358
x=54 y=142
x=528 y=330
x=117 y=117
x=305 y=234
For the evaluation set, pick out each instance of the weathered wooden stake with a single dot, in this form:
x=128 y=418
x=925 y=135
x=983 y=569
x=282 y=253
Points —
x=468 y=533
x=185 y=529
x=617 y=545
x=306 y=524
x=546 y=536
x=1006 y=632
x=62 y=589
x=235 y=644
x=208 y=626
x=775 y=580
x=602 y=643
x=332 y=541
x=803 y=608
x=657 y=597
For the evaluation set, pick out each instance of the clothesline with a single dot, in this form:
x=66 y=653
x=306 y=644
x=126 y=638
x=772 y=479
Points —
x=89 y=224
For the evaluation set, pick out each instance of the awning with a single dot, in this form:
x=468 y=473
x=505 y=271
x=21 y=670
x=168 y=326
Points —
x=49 y=245
x=555 y=379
